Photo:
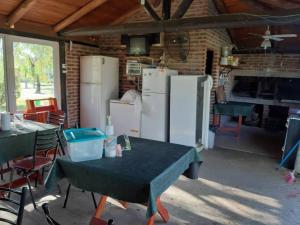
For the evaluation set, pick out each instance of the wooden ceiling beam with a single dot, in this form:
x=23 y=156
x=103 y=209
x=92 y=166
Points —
x=209 y=22
x=148 y=8
x=93 y=4
x=19 y=12
x=182 y=9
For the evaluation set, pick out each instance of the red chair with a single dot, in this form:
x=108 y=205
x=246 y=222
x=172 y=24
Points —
x=45 y=141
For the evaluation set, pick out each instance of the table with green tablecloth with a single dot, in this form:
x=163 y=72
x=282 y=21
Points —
x=19 y=141
x=140 y=176
x=238 y=109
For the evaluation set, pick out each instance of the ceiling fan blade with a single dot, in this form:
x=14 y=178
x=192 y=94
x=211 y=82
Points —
x=284 y=35
x=253 y=34
x=275 y=38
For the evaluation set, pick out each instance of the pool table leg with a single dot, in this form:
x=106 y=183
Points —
x=163 y=212
x=101 y=206
x=151 y=220
x=96 y=220
x=238 y=130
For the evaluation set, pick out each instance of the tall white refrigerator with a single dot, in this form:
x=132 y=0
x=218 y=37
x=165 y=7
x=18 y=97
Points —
x=99 y=82
x=189 y=110
x=155 y=103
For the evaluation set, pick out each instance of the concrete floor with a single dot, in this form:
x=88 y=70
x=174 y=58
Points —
x=253 y=140
x=235 y=188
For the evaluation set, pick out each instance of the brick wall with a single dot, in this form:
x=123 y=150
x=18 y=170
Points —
x=110 y=45
x=200 y=42
x=283 y=63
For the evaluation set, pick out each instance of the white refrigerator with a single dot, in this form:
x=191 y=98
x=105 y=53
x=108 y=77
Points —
x=190 y=110
x=99 y=82
x=155 y=103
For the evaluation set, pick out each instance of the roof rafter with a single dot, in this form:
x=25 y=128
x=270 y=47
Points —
x=182 y=9
x=90 y=6
x=236 y=20
x=148 y=8
x=19 y=12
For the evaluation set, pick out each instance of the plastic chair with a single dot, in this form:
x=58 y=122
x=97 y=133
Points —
x=44 y=142
x=51 y=221
x=20 y=205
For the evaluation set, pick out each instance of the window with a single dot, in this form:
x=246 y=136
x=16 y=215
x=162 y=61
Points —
x=2 y=78
x=32 y=71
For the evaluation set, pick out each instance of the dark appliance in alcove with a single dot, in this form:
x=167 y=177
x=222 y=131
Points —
x=289 y=90
x=245 y=86
x=269 y=88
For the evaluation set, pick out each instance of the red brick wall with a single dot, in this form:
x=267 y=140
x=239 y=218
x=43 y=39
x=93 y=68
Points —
x=284 y=63
x=200 y=41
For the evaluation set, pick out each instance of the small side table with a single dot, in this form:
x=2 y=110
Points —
x=237 y=109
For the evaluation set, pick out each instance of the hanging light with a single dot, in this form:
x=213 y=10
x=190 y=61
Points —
x=266 y=44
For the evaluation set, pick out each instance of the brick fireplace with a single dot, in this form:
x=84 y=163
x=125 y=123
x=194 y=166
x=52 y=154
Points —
x=271 y=82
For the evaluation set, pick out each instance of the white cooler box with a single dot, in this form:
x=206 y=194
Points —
x=84 y=144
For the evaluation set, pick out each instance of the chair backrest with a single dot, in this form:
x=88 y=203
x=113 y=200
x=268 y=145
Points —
x=57 y=119
x=62 y=141
x=19 y=204
x=44 y=142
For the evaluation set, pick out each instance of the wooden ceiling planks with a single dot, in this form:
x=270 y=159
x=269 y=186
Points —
x=110 y=11
x=90 y=6
x=50 y=12
x=8 y=6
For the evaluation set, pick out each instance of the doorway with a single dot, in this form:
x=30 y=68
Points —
x=209 y=62
x=32 y=71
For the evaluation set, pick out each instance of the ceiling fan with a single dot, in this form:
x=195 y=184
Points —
x=267 y=36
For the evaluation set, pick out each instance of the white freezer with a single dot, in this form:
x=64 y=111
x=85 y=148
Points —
x=126 y=118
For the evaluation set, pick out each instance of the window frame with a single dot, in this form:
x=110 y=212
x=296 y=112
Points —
x=9 y=67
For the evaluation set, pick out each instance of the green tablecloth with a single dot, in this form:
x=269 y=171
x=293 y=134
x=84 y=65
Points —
x=19 y=141
x=233 y=109
x=140 y=176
